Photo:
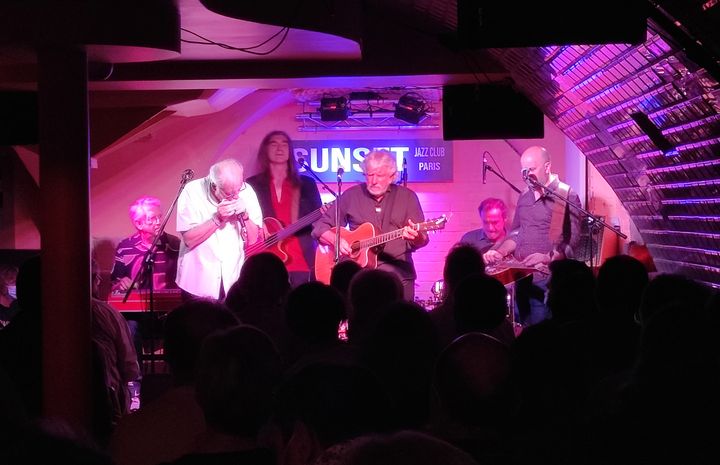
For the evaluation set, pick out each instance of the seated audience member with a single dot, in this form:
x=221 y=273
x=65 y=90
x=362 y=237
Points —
x=21 y=340
x=166 y=427
x=370 y=291
x=116 y=360
x=493 y=214
x=461 y=261
x=258 y=297
x=642 y=254
x=571 y=291
x=52 y=440
x=342 y=274
x=401 y=349
x=238 y=370
x=666 y=289
x=474 y=401
x=403 y=448
x=480 y=305
x=620 y=284
x=322 y=406
x=314 y=312
x=8 y=294
x=146 y=215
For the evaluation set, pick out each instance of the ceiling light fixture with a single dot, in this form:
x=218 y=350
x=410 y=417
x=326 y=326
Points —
x=334 y=109
x=411 y=108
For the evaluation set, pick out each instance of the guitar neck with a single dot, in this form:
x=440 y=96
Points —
x=298 y=225
x=284 y=233
x=378 y=240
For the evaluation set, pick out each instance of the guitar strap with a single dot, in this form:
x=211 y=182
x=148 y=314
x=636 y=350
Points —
x=558 y=214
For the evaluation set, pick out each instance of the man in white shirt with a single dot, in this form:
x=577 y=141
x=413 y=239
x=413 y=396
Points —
x=217 y=217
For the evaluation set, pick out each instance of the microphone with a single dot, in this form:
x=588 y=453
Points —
x=405 y=173
x=243 y=228
x=187 y=175
x=301 y=162
x=531 y=180
x=340 y=172
x=485 y=167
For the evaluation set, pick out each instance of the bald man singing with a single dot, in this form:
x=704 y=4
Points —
x=544 y=228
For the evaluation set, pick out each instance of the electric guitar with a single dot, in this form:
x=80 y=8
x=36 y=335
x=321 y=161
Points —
x=363 y=241
x=277 y=234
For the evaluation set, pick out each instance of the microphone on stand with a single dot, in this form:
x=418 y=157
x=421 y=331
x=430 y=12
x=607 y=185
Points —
x=485 y=168
x=187 y=175
x=340 y=172
x=405 y=173
x=301 y=162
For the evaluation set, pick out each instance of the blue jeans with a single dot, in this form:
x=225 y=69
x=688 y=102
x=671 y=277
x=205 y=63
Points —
x=530 y=305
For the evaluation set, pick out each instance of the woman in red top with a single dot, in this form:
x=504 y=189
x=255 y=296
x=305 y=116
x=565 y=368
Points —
x=288 y=201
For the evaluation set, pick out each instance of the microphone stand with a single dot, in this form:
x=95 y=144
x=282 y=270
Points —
x=594 y=223
x=337 y=219
x=147 y=268
x=490 y=168
x=302 y=163
x=404 y=174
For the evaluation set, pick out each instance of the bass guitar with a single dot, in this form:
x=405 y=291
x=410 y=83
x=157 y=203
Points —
x=277 y=234
x=363 y=241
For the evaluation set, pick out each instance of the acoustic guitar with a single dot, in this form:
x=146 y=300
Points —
x=277 y=234
x=364 y=241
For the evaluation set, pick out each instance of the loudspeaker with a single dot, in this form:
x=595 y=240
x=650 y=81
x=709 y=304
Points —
x=653 y=132
x=19 y=116
x=489 y=112
x=488 y=23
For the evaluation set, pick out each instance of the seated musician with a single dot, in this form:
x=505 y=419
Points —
x=493 y=214
x=146 y=215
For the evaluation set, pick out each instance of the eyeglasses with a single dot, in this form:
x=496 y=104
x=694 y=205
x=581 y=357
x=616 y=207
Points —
x=228 y=195
x=153 y=220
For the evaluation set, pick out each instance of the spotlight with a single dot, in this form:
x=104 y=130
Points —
x=410 y=108
x=334 y=109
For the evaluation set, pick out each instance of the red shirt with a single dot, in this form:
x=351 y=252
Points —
x=291 y=245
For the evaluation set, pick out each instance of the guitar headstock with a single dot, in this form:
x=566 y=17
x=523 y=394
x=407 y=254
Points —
x=433 y=224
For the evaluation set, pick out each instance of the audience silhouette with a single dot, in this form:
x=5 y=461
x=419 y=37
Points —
x=626 y=370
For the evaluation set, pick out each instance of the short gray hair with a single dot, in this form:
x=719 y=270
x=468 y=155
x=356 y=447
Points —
x=383 y=157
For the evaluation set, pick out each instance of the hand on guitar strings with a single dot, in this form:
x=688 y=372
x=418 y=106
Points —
x=345 y=248
x=492 y=257
x=411 y=234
